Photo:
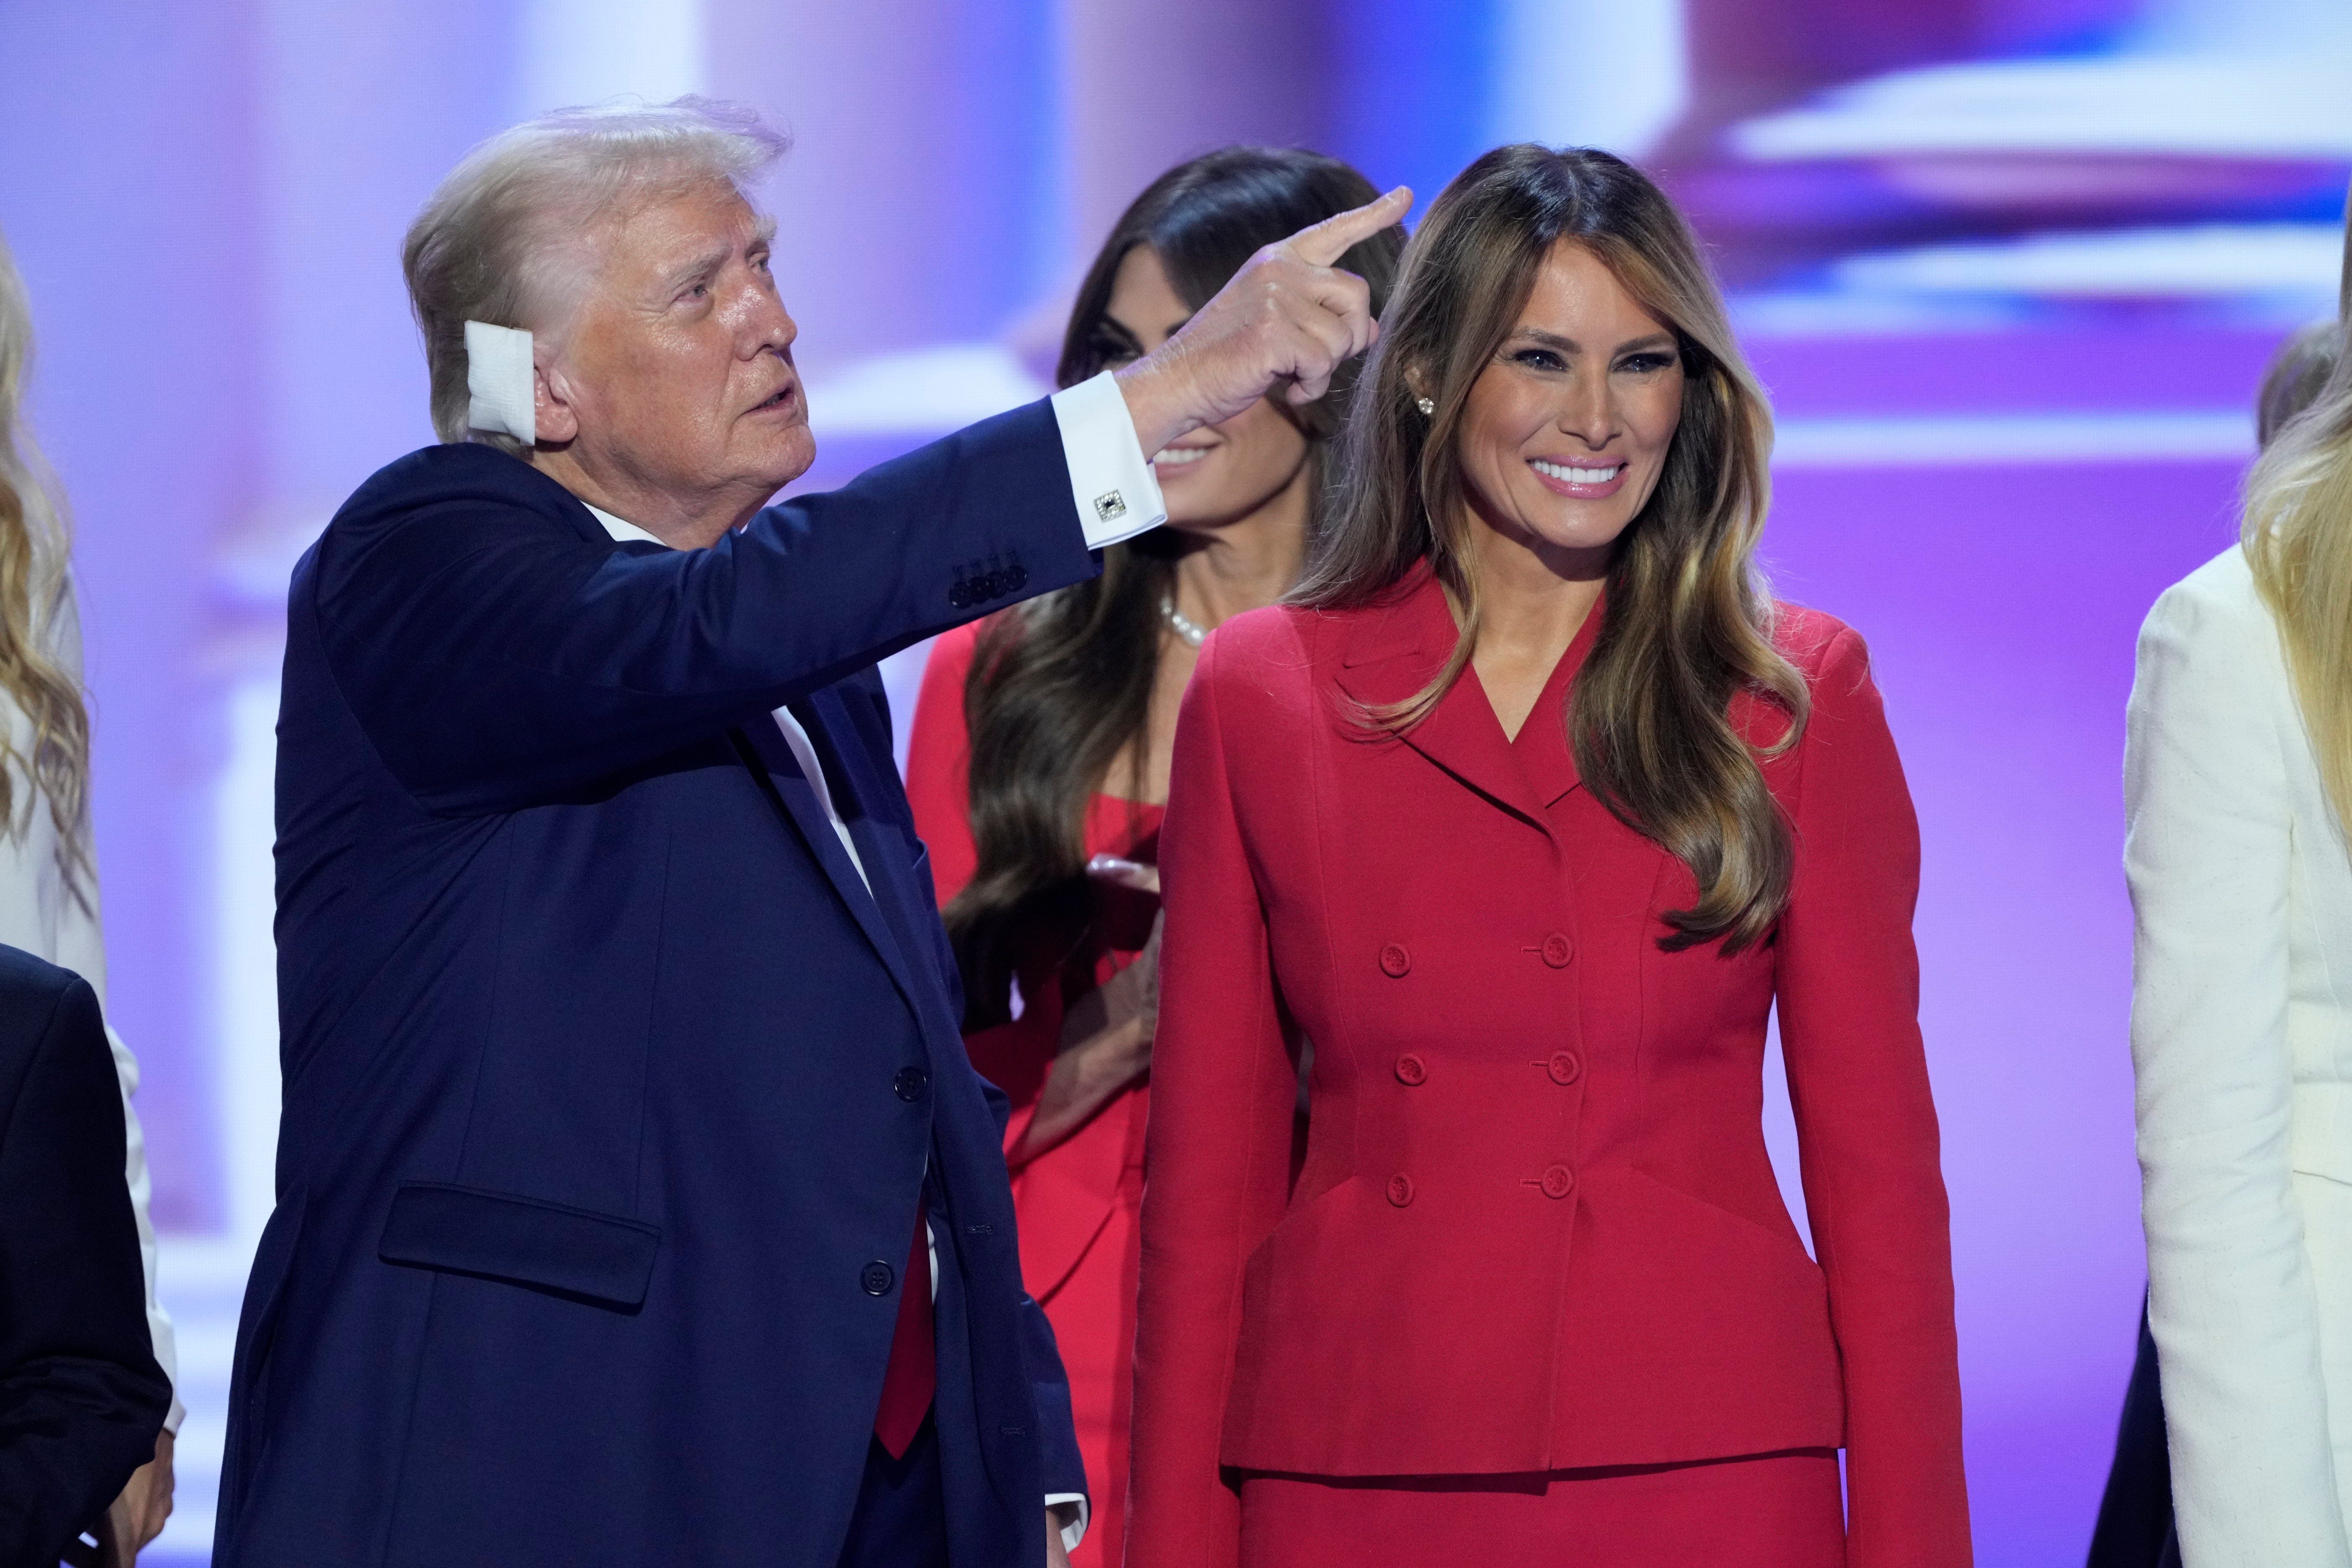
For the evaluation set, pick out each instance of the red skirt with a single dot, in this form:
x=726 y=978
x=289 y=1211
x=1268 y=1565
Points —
x=1770 y=1511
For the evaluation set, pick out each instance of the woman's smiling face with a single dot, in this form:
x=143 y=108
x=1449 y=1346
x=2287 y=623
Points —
x=1566 y=430
x=1220 y=472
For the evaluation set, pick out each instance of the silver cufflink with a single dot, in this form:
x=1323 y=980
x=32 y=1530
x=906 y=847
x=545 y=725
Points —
x=1109 y=505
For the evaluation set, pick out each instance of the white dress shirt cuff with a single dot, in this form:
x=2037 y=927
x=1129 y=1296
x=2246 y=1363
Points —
x=1118 y=494
x=1075 y=1530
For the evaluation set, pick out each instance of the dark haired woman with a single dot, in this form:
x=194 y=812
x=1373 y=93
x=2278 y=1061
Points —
x=1041 y=741
x=1527 y=809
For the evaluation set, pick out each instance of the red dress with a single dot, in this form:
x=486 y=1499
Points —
x=1079 y=1201
x=1536 y=1257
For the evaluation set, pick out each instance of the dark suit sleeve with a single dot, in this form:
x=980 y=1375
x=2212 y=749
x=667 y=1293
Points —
x=496 y=659
x=1064 y=1471
x=80 y=1395
x=1061 y=1465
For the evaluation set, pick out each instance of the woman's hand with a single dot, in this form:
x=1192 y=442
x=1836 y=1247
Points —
x=1106 y=1034
x=138 y=1515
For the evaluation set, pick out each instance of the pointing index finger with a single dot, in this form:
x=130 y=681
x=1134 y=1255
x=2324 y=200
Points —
x=1323 y=244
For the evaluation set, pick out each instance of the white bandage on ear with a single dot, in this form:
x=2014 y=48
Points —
x=499 y=381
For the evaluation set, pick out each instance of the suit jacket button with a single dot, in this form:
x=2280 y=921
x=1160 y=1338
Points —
x=1565 y=1066
x=1559 y=1182
x=1395 y=961
x=1399 y=1190
x=1557 y=949
x=1411 y=1072
x=960 y=596
x=878 y=1278
x=1015 y=579
x=910 y=1083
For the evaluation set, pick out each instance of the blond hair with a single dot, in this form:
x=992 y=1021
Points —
x=1687 y=621
x=2298 y=541
x=34 y=591
x=2297 y=375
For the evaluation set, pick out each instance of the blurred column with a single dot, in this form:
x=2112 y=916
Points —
x=570 y=52
x=1415 y=89
x=1624 y=109
x=908 y=208
x=1146 y=84
x=365 y=107
x=126 y=192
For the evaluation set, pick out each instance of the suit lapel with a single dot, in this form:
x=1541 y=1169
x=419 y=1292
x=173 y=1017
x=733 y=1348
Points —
x=771 y=759
x=859 y=794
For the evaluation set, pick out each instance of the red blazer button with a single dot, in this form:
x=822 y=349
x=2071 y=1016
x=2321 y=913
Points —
x=1557 y=949
x=1410 y=1070
x=1399 y=1190
x=1558 y=1182
x=1395 y=961
x=1564 y=1067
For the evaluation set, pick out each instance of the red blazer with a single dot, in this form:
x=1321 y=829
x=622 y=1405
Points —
x=1537 y=1227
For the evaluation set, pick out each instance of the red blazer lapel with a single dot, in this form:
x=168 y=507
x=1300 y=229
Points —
x=1394 y=651
x=1542 y=747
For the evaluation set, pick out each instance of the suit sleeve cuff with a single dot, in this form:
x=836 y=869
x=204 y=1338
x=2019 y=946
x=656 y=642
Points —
x=1111 y=481
x=1075 y=1530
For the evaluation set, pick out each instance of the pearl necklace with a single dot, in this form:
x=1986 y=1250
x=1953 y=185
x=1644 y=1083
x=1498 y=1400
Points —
x=1193 y=636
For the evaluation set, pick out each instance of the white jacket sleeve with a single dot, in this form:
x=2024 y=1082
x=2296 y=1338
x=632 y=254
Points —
x=2230 y=1294
x=77 y=942
x=135 y=1145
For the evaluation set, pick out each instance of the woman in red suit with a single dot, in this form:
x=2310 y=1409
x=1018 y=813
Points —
x=1527 y=810
x=1041 y=738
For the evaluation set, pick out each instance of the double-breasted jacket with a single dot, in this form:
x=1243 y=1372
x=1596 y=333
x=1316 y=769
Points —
x=1536 y=1226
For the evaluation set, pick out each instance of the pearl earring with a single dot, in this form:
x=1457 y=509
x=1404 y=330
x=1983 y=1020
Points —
x=1427 y=405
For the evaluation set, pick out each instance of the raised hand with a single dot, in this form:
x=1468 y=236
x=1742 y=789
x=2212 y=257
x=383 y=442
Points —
x=1290 y=315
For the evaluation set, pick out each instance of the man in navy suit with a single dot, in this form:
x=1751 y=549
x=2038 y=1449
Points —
x=636 y=1201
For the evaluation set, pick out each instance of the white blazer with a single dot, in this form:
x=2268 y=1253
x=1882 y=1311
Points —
x=39 y=914
x=2241 y=1038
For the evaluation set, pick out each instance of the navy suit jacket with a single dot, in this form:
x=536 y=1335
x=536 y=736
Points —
x=609 y=1091
x=80 y=1395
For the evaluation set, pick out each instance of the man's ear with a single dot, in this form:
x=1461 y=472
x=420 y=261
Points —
x=551 y=394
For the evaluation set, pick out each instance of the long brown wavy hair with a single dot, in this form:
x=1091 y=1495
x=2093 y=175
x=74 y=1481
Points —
x=33 y=594
x=1687 y=622
x=1059 y=686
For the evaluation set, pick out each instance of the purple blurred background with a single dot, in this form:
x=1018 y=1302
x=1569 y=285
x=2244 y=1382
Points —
x=2012 y=268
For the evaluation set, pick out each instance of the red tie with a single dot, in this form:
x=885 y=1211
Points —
x=913 y=1373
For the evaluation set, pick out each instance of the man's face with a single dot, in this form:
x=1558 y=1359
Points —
x=678 y=365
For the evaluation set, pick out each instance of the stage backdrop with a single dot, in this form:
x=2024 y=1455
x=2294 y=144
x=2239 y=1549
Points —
x=2012 y=268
